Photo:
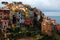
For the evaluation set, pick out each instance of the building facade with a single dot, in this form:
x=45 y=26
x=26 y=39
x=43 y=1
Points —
x=4 y=18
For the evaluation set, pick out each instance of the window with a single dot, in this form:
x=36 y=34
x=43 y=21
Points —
x=0 y=16
x=19 y=16
x=19 y=13
x=18 y=20
x=6 y=11
x=0 y=13
x=5 y=22
x=4 y=26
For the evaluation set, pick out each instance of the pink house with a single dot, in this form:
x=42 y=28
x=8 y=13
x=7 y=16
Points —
x=5 y=23
x=58 y=27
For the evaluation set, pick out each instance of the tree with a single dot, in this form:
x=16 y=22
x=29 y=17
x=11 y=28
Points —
x=4 y=3
x=19 y=2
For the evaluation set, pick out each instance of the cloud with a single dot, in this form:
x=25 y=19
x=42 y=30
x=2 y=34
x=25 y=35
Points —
x=44 y=5
x=50 y=4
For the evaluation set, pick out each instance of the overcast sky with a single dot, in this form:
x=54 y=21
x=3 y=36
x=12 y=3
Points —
x=44 y=5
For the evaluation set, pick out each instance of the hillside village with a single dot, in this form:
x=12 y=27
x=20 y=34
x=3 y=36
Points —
x=18 y=20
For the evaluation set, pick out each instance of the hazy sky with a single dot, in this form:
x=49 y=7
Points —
x=44 y=5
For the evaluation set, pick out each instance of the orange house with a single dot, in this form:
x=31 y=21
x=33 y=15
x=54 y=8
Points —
x=4 y=13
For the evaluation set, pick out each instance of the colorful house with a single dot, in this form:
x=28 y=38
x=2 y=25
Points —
x=5 y=18
x=58 y=27
x=46 y=27
x=5 y=23
x=1 y=14
x=20 y=18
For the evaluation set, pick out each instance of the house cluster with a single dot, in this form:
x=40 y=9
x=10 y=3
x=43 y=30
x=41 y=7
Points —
x=17 y=14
